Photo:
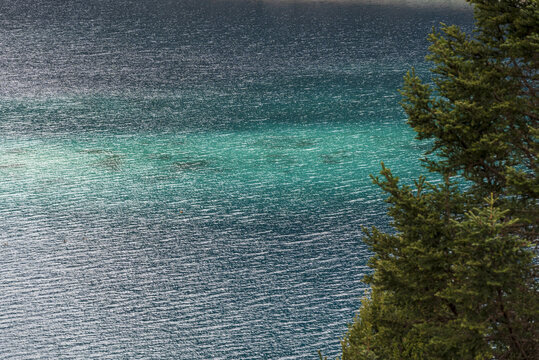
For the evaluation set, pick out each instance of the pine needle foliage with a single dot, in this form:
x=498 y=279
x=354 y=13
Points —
x=458 y=277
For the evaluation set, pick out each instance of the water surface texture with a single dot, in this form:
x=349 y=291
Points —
x=188 y=179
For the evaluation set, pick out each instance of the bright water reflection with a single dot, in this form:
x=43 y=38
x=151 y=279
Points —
x=188 y=179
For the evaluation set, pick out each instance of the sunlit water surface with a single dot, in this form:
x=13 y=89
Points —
x=188 y=180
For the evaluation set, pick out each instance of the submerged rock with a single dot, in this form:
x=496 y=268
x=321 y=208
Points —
x=287 y=142
x=95 y=151
x=111 y=162
x=163 y=157
x=336 y=157
x=303 y=144
x=11 y=166
x=280 y=159
x=16 y=151
x=190 y=165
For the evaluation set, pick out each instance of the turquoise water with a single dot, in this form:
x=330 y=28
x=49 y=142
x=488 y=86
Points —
x=188 y=180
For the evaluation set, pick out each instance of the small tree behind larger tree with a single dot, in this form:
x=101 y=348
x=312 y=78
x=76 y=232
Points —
x=457 y=280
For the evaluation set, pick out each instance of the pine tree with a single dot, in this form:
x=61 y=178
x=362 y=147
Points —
x=457 y=279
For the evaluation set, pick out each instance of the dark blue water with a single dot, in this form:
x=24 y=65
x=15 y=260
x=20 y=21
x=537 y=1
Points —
x=188 y=179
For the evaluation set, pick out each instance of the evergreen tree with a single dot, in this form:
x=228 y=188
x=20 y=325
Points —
x=457 y=279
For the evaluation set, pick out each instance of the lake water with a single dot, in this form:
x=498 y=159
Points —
x=188 y=179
